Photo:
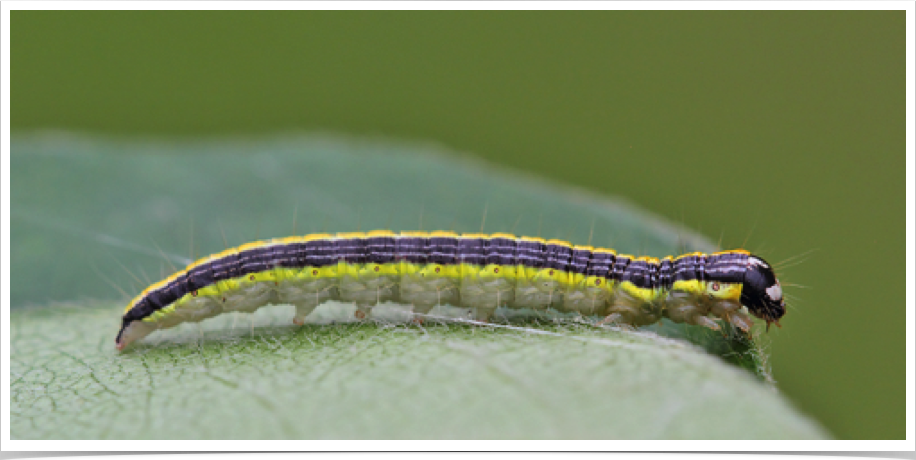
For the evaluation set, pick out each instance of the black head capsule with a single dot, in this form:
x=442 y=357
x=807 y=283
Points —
x=762 y=294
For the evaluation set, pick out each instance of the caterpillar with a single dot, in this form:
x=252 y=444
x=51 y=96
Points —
x=477 y=271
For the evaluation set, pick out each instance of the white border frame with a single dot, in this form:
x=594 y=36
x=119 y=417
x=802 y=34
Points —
x=301 y=445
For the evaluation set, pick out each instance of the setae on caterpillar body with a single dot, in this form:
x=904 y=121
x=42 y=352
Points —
x=477 y=271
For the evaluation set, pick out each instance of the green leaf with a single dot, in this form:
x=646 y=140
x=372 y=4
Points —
x=88 y=213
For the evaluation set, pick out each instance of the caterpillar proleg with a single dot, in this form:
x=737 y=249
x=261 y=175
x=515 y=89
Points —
x=478 y=271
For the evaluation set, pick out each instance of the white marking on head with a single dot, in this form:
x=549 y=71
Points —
x=774 y=292
x=755 y=261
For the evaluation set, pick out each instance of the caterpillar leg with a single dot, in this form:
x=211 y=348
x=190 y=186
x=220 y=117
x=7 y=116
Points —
x=706 y=321
x=303 y=309
x=483 y=314
x=305 y=297
x=612 y=318
x=362 y=311
x=629 y=310
x=691 y=313
x=419 y=311
x=731 y=312
x=741 y=321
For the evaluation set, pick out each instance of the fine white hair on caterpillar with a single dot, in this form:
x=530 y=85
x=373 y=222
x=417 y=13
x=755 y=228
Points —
x=481 y=272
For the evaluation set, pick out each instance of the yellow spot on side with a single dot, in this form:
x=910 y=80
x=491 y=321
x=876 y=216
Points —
x=695 y=287
x=727 y=291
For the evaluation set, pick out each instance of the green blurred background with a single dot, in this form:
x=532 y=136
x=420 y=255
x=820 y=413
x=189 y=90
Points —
x=782 y=129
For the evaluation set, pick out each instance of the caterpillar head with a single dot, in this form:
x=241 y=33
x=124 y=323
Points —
x=762 y=293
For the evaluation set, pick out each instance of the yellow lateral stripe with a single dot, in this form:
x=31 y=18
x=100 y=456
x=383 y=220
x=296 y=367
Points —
x=317 y=237
x=290 y=240
x=220 y=255
x=731 y=251
x=376 y=233
x=252 y=245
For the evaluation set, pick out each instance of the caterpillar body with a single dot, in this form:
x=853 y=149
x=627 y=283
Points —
x=477 y=271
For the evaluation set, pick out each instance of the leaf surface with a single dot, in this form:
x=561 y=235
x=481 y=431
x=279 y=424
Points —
x=88 y=214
